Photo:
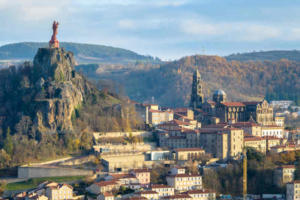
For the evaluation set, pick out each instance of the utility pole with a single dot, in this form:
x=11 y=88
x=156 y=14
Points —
x=244 y=174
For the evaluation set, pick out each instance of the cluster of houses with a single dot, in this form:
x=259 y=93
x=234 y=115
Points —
x=180 y=186
x=48 y=191
x=223 y=140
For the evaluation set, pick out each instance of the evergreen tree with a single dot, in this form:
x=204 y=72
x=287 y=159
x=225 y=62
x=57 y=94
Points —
x=8 y=143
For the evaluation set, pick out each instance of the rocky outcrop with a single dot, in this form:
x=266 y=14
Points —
x=48 y=96
x=59 y=89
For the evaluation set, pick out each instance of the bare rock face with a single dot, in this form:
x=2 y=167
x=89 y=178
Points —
x=60 y=89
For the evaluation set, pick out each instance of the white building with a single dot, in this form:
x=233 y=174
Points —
x=271 y=130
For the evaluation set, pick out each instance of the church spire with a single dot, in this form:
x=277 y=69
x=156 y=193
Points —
x=197 y=96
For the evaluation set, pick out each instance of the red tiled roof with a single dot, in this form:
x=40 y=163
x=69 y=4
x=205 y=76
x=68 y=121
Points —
x=159 y=186
x=105 y=183
x=252 y=138
x=251 y=103
x=229 y=104
x=184 y=175
x=199 y=191
x=180 y=110
x=245 y=124
x=272 y=126
x=147 y=192
x=271 y=138
x=141 y=170
x=107 y=194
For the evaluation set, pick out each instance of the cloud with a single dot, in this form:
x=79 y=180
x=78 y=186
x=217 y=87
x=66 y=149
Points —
x=34 y=10
x=157 y=3
x=127 y=24
x=199 y=28
x=234 y=31
x=256 y=32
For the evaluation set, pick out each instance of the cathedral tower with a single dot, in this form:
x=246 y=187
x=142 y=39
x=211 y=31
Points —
x=197 y=96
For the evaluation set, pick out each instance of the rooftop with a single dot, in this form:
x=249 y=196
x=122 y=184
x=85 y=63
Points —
x=231 y=104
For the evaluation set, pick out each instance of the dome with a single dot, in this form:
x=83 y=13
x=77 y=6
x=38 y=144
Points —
x=219 y=92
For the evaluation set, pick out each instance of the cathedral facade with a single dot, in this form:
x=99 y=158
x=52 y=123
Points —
x=221 y=110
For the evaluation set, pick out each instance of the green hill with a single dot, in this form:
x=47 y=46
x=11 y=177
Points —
x=84 y=53
x=266 y=55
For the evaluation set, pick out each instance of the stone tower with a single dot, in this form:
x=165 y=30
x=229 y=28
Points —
x=197 y=96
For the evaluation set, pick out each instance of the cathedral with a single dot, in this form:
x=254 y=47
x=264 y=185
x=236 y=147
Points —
x=221 y=110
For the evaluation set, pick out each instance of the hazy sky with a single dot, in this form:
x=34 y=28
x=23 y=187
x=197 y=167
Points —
x=168 y=29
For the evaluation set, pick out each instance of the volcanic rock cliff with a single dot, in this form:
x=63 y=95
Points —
x=54 y=73
x=43 y=96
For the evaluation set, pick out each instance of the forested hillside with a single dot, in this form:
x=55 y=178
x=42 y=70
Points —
x=170 y=83
x=266 y=55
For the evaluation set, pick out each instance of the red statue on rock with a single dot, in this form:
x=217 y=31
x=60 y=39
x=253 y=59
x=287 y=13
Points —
x=53 y=43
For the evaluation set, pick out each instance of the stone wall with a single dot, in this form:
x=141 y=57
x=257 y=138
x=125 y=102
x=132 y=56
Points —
x=141 y=147
x=36 y=172
x=98 y=135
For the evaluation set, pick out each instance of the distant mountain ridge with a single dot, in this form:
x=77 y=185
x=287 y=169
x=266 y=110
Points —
x=84 y=53
x=293 y=55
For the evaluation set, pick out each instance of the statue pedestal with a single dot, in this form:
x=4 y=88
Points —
x=54 y=44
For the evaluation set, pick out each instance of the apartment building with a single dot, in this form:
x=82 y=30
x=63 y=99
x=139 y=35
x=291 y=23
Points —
x=284 y=174
x=201 y=194
x=106 y=196
x=158 y=116
x=293 y=190
x=143 y=175
x=178 y=197
x=225 y=142
x=184 y=182
x=59 y=192
x=149 y=194
x=258 y=143
x=188 y=153
x=102 y=186
x=272 y=130
x=162 y=190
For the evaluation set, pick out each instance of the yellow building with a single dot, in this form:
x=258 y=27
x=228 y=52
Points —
x=184 y=182
x=163 y=190
x=157 y=116
x=149 y=194
x=143 y=175
x=189 y=113
x=188 y=153
x=178 y=197
x=284 y=174
x=272 y=141
x=250 y=128
x=59 y=192
x=258 y=143
x=202 y=194
x=125 y=161
x=293 y=190
x=279 y=121
x=222 y=142
x=102 y=187
x=106 y=196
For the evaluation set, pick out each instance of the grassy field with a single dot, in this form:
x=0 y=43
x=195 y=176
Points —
x=31 y=183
